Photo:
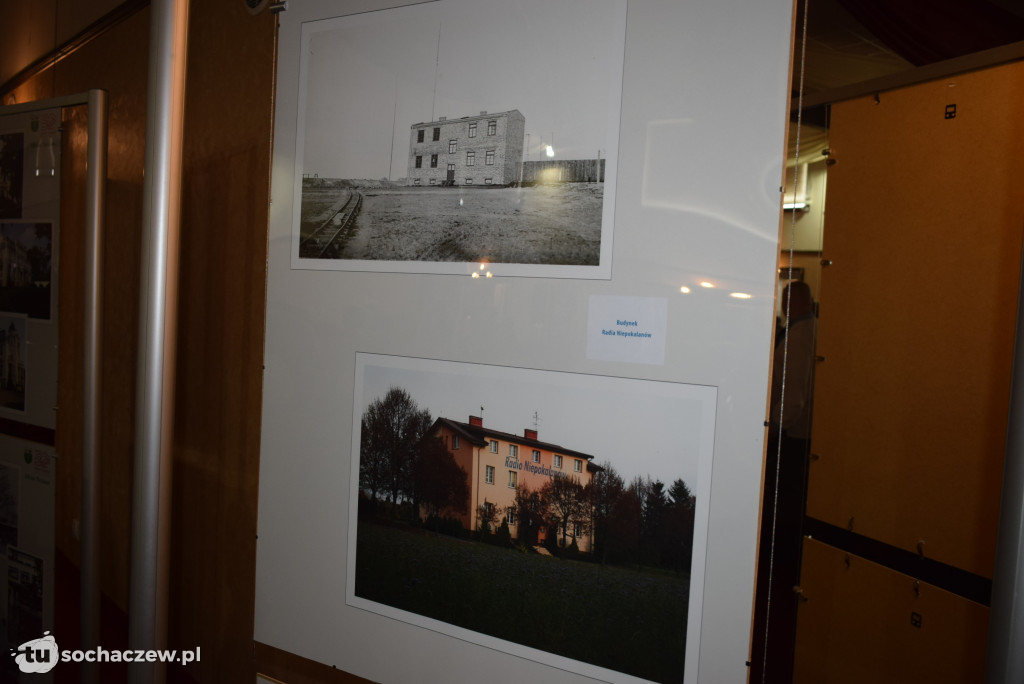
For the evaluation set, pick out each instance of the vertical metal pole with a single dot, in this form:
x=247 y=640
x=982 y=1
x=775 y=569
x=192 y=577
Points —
x=95 y=219
x=1005 y=657
x=158 y=303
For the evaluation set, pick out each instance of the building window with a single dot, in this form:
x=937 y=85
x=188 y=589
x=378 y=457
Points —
x=489 y=158
x=469 y=181
x=489 y=475
x=513 y=451
x=472 y=130
x=419 y=135
x=577 y=530
x=558 y=460
x=416 y=181
x=512 y=479
x=511 y=516
x=419 y=161
x=488 y=181
x=492 y=127
x=577 y=465
x=471 y=158
x=494 y=446
x=536 y=456
x=437 y=134
x=433 y=161
x=455 y=442
x=433 y=181
x=452 y=146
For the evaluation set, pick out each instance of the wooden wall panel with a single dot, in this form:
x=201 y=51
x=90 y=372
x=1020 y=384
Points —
x=116 y=63
x=924 y=223
x=26 y=34
x=282 y=666
x=225 y=201
x=864 y=623
x=229 y=107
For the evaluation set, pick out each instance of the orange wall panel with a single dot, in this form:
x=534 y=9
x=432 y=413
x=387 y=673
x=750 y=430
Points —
x=924 y=230
x=862 y=622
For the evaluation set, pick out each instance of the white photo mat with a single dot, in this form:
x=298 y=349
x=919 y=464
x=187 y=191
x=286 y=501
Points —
x=643 y=428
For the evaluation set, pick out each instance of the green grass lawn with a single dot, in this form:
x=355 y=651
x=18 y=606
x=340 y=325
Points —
x=625 y=620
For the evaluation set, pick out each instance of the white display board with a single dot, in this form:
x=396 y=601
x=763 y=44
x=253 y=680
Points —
x=670 y=312
x=30 y=146
x=27 y=496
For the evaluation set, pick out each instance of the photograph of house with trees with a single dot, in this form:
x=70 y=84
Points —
x=552 y=511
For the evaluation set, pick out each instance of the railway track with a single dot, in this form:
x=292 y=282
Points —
x=325 y=242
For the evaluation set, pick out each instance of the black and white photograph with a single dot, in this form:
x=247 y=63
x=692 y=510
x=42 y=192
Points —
x=12 y=174
x=430 y=144
x=10 y=479
x=13 y=357
x=523 y=509
x=24 y=596
x=26 y=268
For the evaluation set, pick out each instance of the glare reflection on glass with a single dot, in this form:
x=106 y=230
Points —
x=475 y=274
x=705 y=283
x=684 y=290
x=550 y=151
x=489 y=274
x=740 y=295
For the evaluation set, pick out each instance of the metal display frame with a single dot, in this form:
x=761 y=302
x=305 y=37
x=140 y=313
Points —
x=97 y=104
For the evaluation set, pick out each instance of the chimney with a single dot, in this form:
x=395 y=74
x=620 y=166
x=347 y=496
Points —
x=442 y=118
x=530 y=434
x=483 y=112
x=476 y=420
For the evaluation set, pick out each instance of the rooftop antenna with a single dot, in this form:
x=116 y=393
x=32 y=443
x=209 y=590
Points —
x=481 y=414
x=433 y=102
x=536 y=421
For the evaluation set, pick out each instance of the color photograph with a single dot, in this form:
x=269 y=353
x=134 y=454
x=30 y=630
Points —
x=12 y=174
x=26 y=267
x=555 y=516
x=24 y=596
x=13 y=356
x=426 y=144
x=10 y=478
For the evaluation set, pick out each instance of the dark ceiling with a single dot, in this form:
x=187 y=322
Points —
x=851 y=41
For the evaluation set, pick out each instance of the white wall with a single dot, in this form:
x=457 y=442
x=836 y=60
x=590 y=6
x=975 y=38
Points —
x=700 y=163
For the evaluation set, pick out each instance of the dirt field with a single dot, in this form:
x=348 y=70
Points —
x=554 y=224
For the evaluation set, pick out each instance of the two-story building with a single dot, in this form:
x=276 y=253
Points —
x=498 y=462
x=486 y=149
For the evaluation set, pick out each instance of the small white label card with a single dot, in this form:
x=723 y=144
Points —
x=630 y=329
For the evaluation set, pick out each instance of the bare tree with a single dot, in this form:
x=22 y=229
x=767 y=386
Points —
x=603 y=492
x=531 y=512
x=392 y=427
x=440 y=482
x=565 y=501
